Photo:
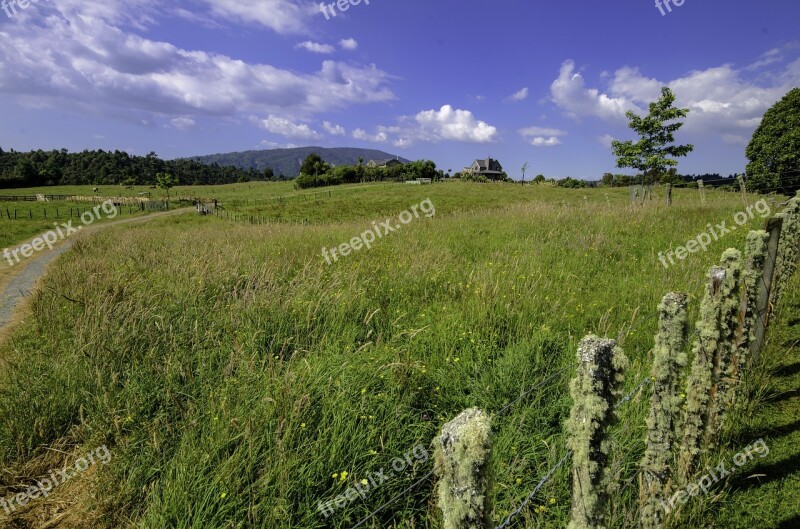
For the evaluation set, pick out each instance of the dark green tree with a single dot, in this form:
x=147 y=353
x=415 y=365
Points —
x=313 y=165
x=774 y=150
x=654 y=152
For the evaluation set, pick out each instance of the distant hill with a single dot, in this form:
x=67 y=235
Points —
x=287 y=162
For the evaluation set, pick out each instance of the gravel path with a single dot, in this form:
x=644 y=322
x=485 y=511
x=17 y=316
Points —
x=23 y=281
x=21 y=285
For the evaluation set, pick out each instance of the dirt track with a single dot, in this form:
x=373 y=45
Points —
x=18 y=283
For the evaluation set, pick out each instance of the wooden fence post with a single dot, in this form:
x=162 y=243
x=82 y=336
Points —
x=669 y=194
x=665 y=405
x=786 y=263
x=756 y=254
x=594 y=391
x=698 y=392
x=463 y=450
x=724 y=381
x=702 y=189
x=774 y=229
x=743 y=188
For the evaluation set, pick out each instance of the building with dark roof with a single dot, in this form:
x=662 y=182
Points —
x=489 y=168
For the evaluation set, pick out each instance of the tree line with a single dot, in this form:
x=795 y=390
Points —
x=60 y=167
x=315 y=172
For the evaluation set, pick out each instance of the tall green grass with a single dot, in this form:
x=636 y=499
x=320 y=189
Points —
x=235 y=375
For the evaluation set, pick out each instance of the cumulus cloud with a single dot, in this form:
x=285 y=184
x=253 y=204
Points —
x=316 y=47
x=540 y=141
x=570 y=93
x=86 y=61
x=348 y=44
x=288 y=128
x=380 y=137
x=723 y=100
x=542 y=136
x=335 y=130
x=433 y=126
x=521 y=95
x=448 y=123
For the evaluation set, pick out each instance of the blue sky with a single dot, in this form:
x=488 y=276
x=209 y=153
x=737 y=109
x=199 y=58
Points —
x=518 y=80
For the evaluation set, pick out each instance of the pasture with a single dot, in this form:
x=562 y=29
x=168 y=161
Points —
x=239 y=380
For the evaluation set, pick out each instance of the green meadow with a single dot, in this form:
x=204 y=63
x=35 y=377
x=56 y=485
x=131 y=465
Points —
x=239 y=380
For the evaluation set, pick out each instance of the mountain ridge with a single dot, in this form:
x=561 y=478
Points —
x=286 y=162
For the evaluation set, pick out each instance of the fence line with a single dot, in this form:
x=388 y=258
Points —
x=740 y=319
x=725 y=334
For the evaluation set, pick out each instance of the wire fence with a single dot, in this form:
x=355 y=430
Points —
x=694 y=339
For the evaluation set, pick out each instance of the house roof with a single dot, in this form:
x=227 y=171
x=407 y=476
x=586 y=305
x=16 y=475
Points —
x=488 y=165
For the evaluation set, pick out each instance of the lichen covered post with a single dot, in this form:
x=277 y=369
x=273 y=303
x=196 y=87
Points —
x=463 y=450
x=698 y=393
x=788 y=248
x=756 y=257
x=594 y=390
x=665 y=406
x=725 y=380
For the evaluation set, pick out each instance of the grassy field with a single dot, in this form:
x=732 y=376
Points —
x=22 y=220
x=246 y=190
x=239 y=380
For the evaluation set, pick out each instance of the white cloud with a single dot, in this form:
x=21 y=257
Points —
x=183 y=124
x=605 y=140
x=380 y=137
x=316 y=47
x=348 y=44
x=275 y=145
x=542 y=136
x=770 y=57
x=570 y=93
x=335 y=130
x=448 y=123
x=282 y=16
x=521 y=95
x=288 y=128
x=541 y=131
x=540 y=141
x=86 y=62
x=722 y=100
x=433 y=126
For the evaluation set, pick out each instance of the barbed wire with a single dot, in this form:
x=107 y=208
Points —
x=507 y=522
x=398 y=496
x=528 y=392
